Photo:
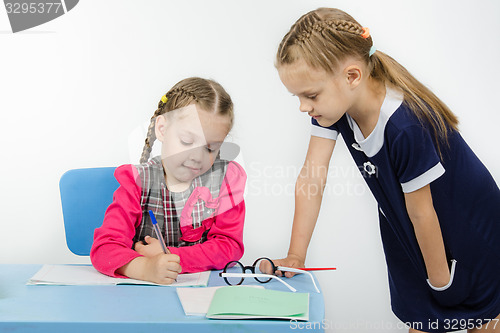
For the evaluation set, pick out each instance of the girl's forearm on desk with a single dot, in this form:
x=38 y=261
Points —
x=134 y=269
x=162 y=268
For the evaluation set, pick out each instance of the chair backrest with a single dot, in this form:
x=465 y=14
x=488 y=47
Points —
x=85 y=195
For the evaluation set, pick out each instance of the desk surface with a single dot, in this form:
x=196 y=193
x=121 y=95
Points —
x=124 y=308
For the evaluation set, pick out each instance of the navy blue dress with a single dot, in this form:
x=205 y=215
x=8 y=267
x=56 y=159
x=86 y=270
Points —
x=400 y=156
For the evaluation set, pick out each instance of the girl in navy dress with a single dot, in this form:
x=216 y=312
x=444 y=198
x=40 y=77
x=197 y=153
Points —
x=439 y=207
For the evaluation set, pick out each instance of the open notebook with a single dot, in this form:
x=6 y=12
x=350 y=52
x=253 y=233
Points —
x=88 y=275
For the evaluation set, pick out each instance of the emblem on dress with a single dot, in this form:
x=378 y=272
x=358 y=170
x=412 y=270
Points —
x=369 y=168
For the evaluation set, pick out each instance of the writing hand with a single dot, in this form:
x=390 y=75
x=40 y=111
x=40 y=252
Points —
x=150 y=249
x=162 y=268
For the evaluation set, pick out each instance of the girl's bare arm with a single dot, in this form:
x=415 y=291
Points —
x=428 y=232
x=308 y=196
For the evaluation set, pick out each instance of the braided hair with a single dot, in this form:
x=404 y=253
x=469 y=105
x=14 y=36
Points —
x=325 y=37
x=207 y=94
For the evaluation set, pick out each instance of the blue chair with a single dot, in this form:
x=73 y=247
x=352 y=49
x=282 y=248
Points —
x=85 y=195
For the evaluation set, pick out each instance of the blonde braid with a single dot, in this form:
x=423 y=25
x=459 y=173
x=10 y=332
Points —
x=151 y=136
x=323 y=38
x=345 y=26
x=338 y=25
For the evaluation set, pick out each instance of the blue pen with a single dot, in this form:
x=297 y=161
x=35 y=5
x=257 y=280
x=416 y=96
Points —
x=158 y=232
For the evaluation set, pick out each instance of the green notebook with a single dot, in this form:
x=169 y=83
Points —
x=240 y=302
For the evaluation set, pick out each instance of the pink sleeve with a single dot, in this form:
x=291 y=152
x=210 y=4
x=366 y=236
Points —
x=112 y=247
x=225 y=238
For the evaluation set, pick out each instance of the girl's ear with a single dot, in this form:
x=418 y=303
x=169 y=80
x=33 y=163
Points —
x=160 y=126
x=353 y=75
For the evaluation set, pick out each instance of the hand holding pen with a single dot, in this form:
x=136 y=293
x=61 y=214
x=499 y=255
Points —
x=156 y=263
x=152 y=246
x=159 y=236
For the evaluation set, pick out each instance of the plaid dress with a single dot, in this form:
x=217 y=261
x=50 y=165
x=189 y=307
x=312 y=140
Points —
x=168 y=206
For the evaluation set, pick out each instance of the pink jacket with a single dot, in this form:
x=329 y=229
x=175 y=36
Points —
x=113 y=241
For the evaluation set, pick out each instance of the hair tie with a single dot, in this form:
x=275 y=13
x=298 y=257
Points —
x=366 y=33
x=373 y=49
x=164 y=99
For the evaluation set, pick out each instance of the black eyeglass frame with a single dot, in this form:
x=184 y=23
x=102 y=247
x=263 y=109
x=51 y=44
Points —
x=245 y=268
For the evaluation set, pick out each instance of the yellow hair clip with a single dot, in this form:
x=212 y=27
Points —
x=164 y=99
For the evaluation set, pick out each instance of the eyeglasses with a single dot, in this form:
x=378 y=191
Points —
x=263 y=270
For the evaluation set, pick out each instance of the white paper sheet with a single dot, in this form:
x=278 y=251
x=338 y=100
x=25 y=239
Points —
x=88 y=275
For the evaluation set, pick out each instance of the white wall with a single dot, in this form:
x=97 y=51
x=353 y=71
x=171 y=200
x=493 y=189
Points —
x=74 y=91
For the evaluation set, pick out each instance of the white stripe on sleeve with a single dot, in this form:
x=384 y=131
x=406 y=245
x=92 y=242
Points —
x=424 y=179
x=324 y=132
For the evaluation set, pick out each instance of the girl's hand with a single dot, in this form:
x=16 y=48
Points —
x=151 y=249
x=162 y=268
x=291 y=260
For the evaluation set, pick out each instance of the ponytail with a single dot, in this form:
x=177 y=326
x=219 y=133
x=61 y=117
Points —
x=421 y=100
